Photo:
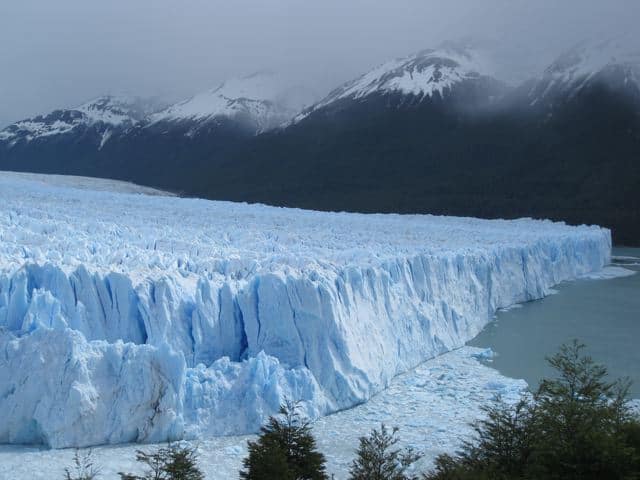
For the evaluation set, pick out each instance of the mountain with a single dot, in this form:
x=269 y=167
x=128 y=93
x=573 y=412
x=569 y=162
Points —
x=70 y=141
x=608 y=64
x=257 y=102
x=361 y=147
x=132 y=139
x=436 y=132
x=172 y=146
x=412 y=80
x=98 y=119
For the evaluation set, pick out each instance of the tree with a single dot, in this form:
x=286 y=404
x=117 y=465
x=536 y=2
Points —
x=575 y=426
x=448 y=467
x=182 y=464
x=377 y=459
x=504 y=439
x=168 y=463
x=266 y=460
x=579 y=420
x=285 y=449
x=83 y=467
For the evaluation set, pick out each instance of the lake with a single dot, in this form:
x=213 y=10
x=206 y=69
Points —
x=603 y=314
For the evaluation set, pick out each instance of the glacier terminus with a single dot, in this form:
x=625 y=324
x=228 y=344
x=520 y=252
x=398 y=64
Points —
x=127 y=317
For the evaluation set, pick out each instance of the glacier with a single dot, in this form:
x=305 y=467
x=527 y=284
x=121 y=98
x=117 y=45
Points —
x=432 y=405
x=127 y=317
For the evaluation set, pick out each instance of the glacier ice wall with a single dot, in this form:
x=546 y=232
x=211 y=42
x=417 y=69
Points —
x=127 y=317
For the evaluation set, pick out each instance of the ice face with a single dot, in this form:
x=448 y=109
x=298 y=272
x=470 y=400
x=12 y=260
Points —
x=129 y=317
x=433 y=406
x=73 y=392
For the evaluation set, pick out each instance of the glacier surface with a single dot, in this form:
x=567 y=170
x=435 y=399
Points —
x=133 y=318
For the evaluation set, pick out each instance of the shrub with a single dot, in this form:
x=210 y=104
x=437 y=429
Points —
x=168 y=463
x=83 y=467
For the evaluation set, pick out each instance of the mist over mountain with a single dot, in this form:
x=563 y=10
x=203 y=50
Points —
x=438 y=131
x=65 y=53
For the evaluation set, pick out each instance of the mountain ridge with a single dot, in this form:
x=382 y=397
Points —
x=435 y=132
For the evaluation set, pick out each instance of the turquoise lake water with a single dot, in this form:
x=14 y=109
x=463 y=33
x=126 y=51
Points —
x=603 y=314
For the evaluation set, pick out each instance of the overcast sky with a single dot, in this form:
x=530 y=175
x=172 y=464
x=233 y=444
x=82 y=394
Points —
x=57 y=53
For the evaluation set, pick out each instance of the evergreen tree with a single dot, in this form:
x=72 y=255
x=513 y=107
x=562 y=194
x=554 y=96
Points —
x=579 y=416
x=182 y=465
x=285 y=449
x=504 y=440
x=267 y=459
x=377 y=459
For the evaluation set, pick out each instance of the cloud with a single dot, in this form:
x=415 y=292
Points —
x=60 y=53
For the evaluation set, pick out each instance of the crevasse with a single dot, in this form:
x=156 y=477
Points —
x=129 y=318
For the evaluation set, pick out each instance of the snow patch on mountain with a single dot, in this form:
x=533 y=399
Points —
x=40 y=127
x=155 y=318
x=117 y=109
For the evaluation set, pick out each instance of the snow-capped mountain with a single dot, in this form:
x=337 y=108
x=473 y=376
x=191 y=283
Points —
x=256 y=103
x=104 y=115
x=137 y=140
x=259 y=102
x=439 y=131
x=428 y=73
x=610 y=62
